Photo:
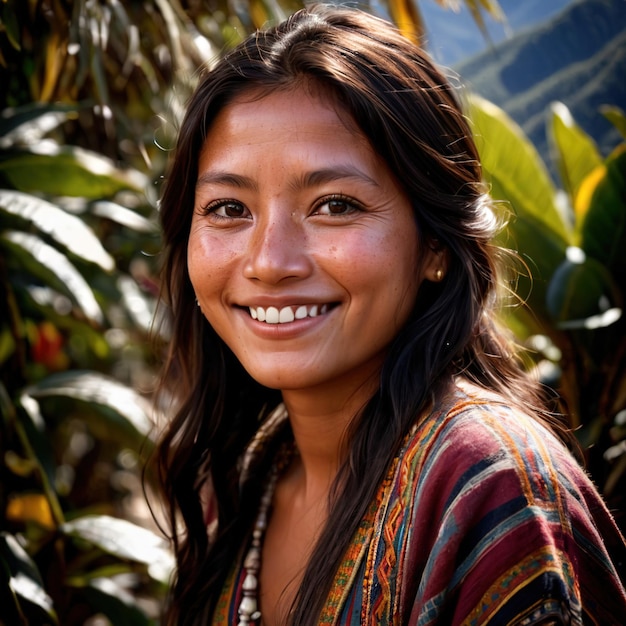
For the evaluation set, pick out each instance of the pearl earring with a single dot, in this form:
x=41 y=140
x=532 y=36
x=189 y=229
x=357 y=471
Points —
x=439 y=275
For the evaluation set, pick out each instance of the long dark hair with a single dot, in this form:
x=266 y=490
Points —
x=410 y=114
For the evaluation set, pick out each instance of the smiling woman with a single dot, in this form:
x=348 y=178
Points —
x=355 y=440
x=295 y=215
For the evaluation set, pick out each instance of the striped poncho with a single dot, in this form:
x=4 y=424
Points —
x=483 y=518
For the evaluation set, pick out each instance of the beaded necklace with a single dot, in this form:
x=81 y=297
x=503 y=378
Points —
x=248 y=611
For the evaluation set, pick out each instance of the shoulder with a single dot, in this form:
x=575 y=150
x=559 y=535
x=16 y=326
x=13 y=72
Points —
x=481 y=417
x=476 y=457
x=474 y=432
x=493 y=501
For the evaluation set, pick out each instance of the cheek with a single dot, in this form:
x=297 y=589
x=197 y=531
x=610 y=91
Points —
x=197 y=262
x=380 y=272
x=391 y=255
x=398 y=271
x=209 y=261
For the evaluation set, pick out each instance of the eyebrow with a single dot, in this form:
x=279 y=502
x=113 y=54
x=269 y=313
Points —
x=307 y=180
x=327 y=175
x=226 y=179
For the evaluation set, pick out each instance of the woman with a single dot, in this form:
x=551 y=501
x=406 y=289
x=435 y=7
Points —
x=355 y=440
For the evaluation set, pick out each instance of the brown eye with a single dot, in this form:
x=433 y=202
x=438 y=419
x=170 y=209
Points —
x=336 y=206
x=227 y=209
x=231 y=209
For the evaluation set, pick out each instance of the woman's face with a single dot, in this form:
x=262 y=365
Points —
x=303 y=248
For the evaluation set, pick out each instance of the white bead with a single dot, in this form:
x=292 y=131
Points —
x=247 y=606
x=250 y=583
x=253 y=559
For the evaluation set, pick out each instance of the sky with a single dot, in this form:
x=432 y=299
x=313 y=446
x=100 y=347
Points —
x=453 y=37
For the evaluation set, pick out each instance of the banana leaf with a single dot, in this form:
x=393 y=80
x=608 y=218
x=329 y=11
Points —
x=574 y=151
x=66 y=229
x=67 y=171
x=603 y=220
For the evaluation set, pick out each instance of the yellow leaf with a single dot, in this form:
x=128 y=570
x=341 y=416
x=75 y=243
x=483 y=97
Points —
x=30 y=507
x=586 y=189
x=55 y=58
x=258 y=13
x=407 y=17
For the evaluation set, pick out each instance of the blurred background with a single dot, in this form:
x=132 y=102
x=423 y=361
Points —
x=91 y=94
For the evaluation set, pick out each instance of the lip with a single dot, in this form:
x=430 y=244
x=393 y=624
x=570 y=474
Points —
x=286 y=329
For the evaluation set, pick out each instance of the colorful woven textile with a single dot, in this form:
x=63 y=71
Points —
x=484 y=518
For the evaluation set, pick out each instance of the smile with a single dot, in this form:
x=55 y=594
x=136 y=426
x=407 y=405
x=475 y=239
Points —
x=288 y=314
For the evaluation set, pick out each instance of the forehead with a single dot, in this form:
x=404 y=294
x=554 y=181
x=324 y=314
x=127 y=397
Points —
x=285 y=119
x=304 y=95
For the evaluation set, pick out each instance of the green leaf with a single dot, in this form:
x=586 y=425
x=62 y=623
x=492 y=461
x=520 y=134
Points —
x=37 y=445
x=7 y=344
x=68 y=171
x=125 y=217
x=54 y=268
x=117 y=603
x=582 y=293
x=29 y=124
x=83 y=577
x=25 y=419
x=10 y=26
x=513 y=165
x=521 y=320
x=603 y=229
x=574 y=151
x=68 y=230
x=125 y=408
x=126 y=541
x=540 y=249
x=616 y=116
x=140 y=308
x=25 y=580
x=518 y=177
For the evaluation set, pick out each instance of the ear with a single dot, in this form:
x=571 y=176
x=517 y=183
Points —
x=436 y=261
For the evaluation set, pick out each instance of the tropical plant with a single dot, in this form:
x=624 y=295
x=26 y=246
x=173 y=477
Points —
x=572 y=240
x=73 y=437
x=129 y=64
x=91 y=94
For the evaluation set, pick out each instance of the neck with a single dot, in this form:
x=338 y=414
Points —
x=320 y=420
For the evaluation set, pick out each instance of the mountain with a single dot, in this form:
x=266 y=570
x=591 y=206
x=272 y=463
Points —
x=453 y=36
x=577 y=57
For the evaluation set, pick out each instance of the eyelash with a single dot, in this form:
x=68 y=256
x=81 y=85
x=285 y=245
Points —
x=213 y=207
x=350 y=202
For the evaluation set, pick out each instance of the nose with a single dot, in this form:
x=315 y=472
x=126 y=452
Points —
x=277 y=249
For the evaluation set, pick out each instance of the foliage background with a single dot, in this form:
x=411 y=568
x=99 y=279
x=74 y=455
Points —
x=90 y=95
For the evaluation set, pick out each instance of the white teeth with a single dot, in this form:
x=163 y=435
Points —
x=286 y=315
x=272 y=315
